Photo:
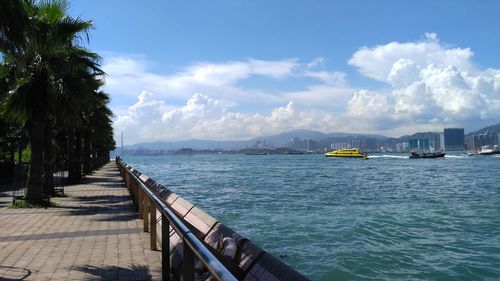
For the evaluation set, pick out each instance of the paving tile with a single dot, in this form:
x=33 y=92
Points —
x=93 y=234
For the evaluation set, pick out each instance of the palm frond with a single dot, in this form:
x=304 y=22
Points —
x=52 y=11
x=14 y=106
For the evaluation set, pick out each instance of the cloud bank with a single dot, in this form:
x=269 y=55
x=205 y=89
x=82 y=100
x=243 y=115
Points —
x=428 y=85
x=206 y=118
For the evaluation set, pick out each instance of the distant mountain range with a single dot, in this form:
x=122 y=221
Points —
x=195 y=144
x=279 y=140
x=490 y=129
x=420 y=135
x=283 y=138
x=319 y=140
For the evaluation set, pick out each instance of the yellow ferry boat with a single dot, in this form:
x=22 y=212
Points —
x=347 y=152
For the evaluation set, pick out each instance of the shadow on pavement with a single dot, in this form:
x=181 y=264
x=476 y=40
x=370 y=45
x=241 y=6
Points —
x=117 y=273
x=9 y=273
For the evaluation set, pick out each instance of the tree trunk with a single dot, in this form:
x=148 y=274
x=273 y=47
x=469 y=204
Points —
x=87 y=165
x=12 y=152
x=48 y=184
x=34 y=192
x=95 y=161
x=73 y=175
x=75 y=153
x=19 y=152
x=78 y=154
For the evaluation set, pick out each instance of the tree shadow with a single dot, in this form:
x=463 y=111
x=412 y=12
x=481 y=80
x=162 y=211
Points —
x=93 y=210
x=6 y=192
x=116 y=212
x=10 y=273
x=104 y=199
x=135 y=272
x=103 y=181
x=119 y=218
x=106 y=173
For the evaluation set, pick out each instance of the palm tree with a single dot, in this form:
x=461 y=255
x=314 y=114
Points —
x=97 y=102
x=34 y=73
x=80 y=89
x=99 y=133
x=13 y=21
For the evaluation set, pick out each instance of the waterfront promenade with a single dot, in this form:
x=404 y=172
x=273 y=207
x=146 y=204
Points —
x=92 y=234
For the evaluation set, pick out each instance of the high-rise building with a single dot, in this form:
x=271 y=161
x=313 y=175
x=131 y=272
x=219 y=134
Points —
x=438 y=141
x=441 y=141
x=476 y=142
x=419 y=144
x=454 y=139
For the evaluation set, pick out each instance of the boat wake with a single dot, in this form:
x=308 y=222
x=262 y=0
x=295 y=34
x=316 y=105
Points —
x=456 y=156
x=388 y=156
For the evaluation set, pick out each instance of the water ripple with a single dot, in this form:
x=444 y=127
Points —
x=388 y=218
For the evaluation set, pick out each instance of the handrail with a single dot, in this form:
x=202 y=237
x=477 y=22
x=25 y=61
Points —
x=218 y=270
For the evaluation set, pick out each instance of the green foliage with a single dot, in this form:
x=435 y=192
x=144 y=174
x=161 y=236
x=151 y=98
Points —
x=50 y=84
x=13 y=21
x=5 y=156
x=25 y=155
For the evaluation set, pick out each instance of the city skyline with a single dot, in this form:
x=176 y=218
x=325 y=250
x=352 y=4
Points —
x=447 y=139
x=235 y=70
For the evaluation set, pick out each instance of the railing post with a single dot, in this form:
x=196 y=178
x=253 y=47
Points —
x=148 y=204
x=145 y=211
x=132 y=189
x=187 y=262
x=165 y=248
x=140 y=199
x=137 y=193
x=129 y=185
x=152 y=218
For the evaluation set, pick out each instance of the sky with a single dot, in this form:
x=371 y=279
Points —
x=234 y=69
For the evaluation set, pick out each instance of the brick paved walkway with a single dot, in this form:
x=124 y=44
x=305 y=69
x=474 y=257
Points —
x=93 y=234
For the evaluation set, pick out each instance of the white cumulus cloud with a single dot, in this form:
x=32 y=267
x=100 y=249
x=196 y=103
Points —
x=430 y=83
x=203 y=117
x=377 y=62
x=130 y=74
x=142 y=117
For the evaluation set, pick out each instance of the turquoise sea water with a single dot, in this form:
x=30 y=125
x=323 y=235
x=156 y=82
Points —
x=386 y=218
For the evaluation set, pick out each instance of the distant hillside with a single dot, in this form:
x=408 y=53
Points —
x=195 y=144
x=355 y=135
x=490 y=129
x=283 y=138
x=305 y=140
x=279 y=140
x=422 y=135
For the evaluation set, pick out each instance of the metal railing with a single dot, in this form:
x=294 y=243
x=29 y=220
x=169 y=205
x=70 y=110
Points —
x=147 y=203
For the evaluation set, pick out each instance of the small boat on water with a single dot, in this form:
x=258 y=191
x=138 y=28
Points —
x=487 y=150
x=347 y=152
x=436 y=154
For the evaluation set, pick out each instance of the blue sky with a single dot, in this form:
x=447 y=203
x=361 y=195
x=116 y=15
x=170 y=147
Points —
x=238 y=69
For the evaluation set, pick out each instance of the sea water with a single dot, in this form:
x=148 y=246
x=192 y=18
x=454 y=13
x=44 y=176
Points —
x=386 y=218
